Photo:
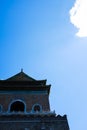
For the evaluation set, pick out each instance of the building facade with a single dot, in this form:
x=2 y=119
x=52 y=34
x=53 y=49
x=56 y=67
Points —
x=24 y=105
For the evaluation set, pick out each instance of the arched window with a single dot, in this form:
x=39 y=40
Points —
x=17 y=106
x=37 y=108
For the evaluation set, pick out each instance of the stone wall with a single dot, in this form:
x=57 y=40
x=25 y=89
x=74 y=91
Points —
x=33 y=123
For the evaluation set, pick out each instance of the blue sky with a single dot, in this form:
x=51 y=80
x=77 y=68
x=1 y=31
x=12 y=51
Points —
x=41 y=37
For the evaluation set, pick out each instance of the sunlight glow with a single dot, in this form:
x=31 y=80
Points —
x=78 y=17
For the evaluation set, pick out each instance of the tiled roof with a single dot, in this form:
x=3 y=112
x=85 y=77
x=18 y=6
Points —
x=21 y=77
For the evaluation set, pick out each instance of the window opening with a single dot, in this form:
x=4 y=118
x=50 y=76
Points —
x=37 y=108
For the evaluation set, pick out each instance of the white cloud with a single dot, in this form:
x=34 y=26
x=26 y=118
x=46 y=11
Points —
x=78 y=17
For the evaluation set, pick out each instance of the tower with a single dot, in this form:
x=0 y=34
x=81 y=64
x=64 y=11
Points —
x=24 y=105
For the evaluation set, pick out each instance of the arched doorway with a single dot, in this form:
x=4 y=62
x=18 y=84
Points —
x=17 y=106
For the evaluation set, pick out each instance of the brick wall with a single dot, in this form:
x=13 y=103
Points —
x=29 y=99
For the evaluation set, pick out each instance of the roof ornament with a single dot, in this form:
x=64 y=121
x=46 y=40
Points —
x=21 y=69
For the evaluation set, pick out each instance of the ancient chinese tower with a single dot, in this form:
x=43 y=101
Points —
x=24 y=105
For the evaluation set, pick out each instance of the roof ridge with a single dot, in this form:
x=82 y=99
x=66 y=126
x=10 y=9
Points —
x=21 y=76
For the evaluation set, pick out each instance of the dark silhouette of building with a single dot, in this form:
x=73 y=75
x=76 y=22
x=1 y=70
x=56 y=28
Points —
x=24 y=105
